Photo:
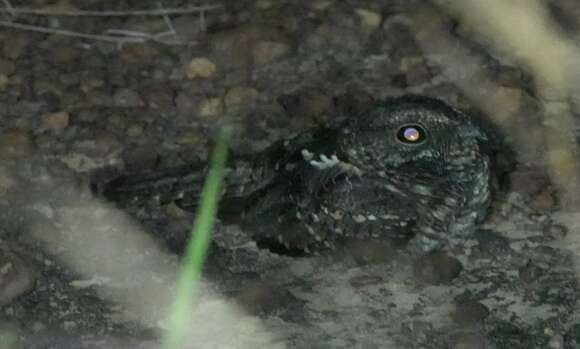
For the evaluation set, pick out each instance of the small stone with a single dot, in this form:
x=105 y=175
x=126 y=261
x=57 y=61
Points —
x=200 y=67
x=4 y=80
x=311 y=104
x=7 y=67
x=469 y=341
x=127 y=98
x=159 y=98
x=555 y=231
x=256 y=297
x=370 y=251
x=89 y=83
x=437 y=268
x=469 y=312
x=139 y=52
x=186 y=104
x=369 y=18
x=141 y=157
x=56 y=122
x=135 y=130
x=508 y=100
x=267 y=51
x=530 y=272
x=15 y=143
x=528 y=181
x=192 y=137
x=264 y=4
x=240 y=96
x=8 y=181
x=65 y=55
x=543 y=202
x=211 y=108
x=17 y=275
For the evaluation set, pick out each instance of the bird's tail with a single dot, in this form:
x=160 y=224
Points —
x=184 y=183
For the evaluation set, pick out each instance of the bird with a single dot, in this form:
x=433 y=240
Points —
x=408 y=169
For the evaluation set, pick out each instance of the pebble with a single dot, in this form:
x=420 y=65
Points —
x=240 y=96
x=15 y=143
x=7 y=67
x=469 y=312
x=200 y=67
x=210 y=108
x=265 y=52
x=369 y=18
x=437 y=268
x=469 y=341
x=56 y=122
x=543 y=201
x=127 y=98
x=17 y=274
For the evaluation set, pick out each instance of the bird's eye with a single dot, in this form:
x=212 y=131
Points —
x=411 y=134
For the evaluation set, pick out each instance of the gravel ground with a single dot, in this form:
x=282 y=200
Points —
x=79 y=273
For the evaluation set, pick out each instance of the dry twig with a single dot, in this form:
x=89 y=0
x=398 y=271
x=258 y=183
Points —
x=127 y=13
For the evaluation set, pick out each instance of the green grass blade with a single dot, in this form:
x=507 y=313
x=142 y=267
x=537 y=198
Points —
x=197 y=248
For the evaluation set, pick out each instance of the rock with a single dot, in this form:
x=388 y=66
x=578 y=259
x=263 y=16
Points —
x=139 y=52
x=437 y=268
x=135 y=130
x=186 y=104
x=469 y=340
x=160 y=98
x=4 y=80
x=469 y=312
x=309 y=104
x=7 y=67
x=127 y=98
x=17 y=274
x=64 y=56
x=265 y=52
x=15 y=143
x=528 y=180
x=240 y=97
x=56 y=122
x=200 y=68
x=543 y=201
x=210 y=108
x=370 y=19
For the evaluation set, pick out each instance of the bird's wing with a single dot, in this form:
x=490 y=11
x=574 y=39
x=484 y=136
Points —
x=246 y=177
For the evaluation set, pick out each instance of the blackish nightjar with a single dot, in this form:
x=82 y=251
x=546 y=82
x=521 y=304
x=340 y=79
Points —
x=409 y=169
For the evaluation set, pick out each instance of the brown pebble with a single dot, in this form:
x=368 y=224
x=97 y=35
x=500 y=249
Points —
x=17 y=274
x=469 y=341
x=529 y=272
x=7 y=67
x=56 y=122
x=267 y=51
x=127 y=98
x=240 y=96
x=15 y=143
x=371 y=251
x=528 y=180
x=256 y=297
x=210 y=108
x=65 y=55
x=437 y=268
x=555 y=231
x=543 y=201
x=200 y=67
x=469 y=312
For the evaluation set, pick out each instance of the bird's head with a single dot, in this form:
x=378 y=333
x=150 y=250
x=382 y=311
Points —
x=414 y=132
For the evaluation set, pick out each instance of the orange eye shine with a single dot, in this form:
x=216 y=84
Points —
x=411 y=134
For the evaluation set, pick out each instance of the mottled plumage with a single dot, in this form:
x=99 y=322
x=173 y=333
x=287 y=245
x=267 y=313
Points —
x=407 y=168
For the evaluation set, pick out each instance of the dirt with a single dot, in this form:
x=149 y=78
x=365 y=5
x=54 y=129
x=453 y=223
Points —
x=73 y=109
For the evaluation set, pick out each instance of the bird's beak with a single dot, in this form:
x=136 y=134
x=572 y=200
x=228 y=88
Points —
x=470 y=130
